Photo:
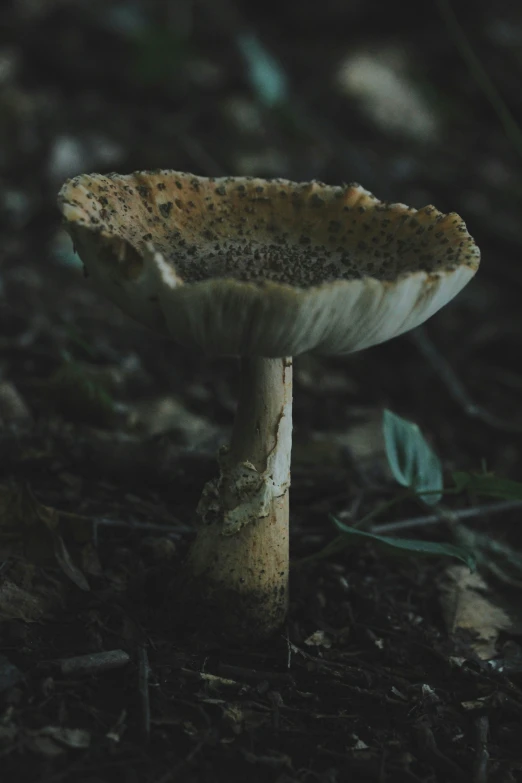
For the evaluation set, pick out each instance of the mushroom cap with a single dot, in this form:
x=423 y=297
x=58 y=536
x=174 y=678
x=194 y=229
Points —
x=244 y=266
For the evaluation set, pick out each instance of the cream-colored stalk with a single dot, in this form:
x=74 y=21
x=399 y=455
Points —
x=239 y=561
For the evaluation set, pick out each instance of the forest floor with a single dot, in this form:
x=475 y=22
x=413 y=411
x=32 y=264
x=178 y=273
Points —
x=108 y=433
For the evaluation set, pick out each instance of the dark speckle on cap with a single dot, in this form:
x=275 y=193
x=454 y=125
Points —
x=166 y=208
x=316 y=201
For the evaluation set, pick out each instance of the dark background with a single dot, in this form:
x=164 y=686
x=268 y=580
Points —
x=368 y=92
x=106 y=421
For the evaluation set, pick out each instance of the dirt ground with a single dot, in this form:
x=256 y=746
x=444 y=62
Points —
x=108 y=432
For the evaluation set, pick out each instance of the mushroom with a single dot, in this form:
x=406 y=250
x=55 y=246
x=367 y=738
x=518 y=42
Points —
x=263 y=270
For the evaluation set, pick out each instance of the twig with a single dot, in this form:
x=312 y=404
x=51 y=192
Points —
x=480 y=765
x=94 y=663
x=455 y=387
x=241 y=673
x=213 y=680
x=462 y=513
x=143 y=687
x=289 y=648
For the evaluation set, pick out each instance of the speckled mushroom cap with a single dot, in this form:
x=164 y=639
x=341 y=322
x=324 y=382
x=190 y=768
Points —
x=244 y=266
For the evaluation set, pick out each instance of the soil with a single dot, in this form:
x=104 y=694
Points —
x=108 y=432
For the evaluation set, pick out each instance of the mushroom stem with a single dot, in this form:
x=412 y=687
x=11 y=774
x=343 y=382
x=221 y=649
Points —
x=240 y=558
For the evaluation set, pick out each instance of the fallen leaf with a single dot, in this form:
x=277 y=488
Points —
x=233 y=717
x=169 y=415
x=26 y=594
x=53 y=741
x=13 y=409
x=364 y=437
x=30 y=530
x=318 y=639
x=67 y=565
x=70 y=738
x=469 y=604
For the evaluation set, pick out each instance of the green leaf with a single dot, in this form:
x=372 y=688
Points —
x=489 y=485
x=412 y=461
x=266 y=76
x=408 y=546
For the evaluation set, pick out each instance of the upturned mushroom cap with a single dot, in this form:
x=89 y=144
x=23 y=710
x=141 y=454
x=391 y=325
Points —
x=243 y=266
